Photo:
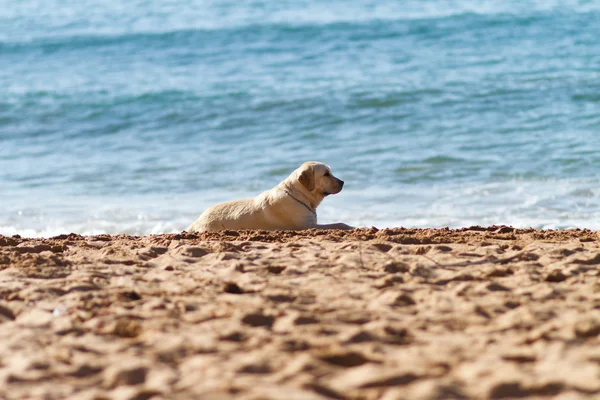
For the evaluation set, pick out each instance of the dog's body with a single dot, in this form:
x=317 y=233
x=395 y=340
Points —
x=291 y=205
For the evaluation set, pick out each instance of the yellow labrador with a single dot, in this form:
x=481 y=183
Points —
x=290 y=205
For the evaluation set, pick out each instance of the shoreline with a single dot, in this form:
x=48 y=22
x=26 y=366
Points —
x=420 y=235
x=479 y=312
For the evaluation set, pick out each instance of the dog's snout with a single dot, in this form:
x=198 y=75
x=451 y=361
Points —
x=341 y=182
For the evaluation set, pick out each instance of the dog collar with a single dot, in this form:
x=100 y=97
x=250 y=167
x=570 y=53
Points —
x=313 y=212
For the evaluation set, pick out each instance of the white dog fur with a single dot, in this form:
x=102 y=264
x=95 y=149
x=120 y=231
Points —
x=290 y=205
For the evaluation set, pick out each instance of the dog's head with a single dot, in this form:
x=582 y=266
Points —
x=317 y=179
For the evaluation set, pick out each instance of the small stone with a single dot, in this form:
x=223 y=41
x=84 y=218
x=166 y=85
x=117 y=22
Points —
x=346 y=359
x=257 y=319
x=556 y=276
x=587 y=328
x=127 y=376
x=257 y=368
x=234 y=337
x=361 y=337
x=496 y=287
x=403 y=300
x=499 y=273
x=127 y=328
x=383 y=247
x=305 y=320
x=505 y=229
x=275 y=269
x=505 y=390
x=393 y=267
x=7 y=313
x=159 y=249
x=195 y=252
x=443 y=248
x=232 y=287
x=130 y=296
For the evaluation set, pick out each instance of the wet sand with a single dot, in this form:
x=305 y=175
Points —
x=366 y=314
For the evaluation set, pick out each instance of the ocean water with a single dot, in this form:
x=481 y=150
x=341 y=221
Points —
x=132 y=117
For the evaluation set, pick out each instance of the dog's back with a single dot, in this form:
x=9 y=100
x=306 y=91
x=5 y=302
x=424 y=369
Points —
x=236 y=214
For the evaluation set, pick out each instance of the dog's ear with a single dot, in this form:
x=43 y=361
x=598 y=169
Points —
x=307 y=179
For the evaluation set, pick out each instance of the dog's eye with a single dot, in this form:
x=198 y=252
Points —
x=327 y=174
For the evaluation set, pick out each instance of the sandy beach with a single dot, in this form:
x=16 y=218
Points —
x=385 y=314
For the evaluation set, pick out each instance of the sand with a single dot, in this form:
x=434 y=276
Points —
x=367 y=314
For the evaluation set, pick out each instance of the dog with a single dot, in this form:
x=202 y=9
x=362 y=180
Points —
x=291 y=205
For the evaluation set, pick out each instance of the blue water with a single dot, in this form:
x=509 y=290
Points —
x=132 y=117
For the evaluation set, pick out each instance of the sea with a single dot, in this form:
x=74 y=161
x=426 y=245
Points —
x=131 y=117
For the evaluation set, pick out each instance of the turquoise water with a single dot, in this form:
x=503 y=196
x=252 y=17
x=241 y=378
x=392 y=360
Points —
x=132 y=118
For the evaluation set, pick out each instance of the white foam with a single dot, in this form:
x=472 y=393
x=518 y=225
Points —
x=556 y=204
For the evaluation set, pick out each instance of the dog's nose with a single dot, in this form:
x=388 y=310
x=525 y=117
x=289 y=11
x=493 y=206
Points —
x=341 y=182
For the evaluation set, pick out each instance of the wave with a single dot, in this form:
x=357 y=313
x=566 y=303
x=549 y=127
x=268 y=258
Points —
x=359 y=26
